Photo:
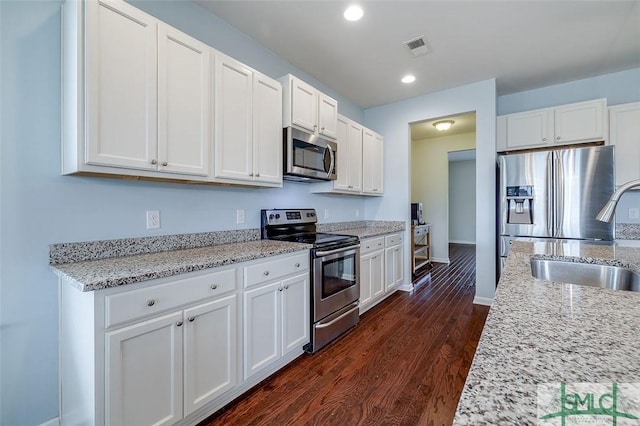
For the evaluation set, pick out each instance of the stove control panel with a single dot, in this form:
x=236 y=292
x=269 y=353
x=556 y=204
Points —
x=288 y=216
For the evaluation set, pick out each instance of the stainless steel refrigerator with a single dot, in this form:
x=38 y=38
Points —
x=554 y=194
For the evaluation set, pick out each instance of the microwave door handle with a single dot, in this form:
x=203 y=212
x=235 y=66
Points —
x=333 y=160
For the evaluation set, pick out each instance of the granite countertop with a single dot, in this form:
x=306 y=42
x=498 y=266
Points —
x=115 y=271
x=541 y=332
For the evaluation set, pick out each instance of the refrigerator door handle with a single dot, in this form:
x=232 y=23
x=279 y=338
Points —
x=558 y=195
x=550 y=196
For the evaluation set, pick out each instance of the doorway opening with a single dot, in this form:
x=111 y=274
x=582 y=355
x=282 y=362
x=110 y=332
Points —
x=443 y=181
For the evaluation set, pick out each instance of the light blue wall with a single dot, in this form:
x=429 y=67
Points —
x=619 y=88
x=393 y=122
x=39 y=206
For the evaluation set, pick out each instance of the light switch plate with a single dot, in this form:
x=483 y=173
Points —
x=153 y=219
x=239 y=216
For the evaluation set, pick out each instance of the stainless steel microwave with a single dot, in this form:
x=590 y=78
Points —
x=308 y=157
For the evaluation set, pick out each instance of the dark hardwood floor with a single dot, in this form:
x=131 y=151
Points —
x=404 y=364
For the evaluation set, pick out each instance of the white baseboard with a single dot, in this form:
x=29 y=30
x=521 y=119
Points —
x=440 y=260
x=52 y=422
x=482 y=301
x=405 y=287
x=462 y=242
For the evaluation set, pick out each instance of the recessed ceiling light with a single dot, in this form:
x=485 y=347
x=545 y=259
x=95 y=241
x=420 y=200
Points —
x=353 y=13
x=443 y=125
x=409 y=78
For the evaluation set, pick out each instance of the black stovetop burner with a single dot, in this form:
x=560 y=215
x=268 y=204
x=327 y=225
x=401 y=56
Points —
x=299 y=225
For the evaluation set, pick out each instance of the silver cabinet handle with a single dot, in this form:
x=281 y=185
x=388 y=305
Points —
x=191 y=319
x=297 y=265
x=164 y=163
x=214 y=286
x=286 y=287
x=280 y=289
x=257 y=174
x=151 y=302
x=154 y=161
x=558 y=138
x=266 y=273
x=250 y=174
x=179 y=324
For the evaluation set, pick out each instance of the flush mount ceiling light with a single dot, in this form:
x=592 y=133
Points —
x=443 y=125
x=408 y=79
x=353 y=13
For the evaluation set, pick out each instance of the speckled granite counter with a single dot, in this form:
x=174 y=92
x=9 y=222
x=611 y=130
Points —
x=364 y=229
x=116 y=271
x=545 y=332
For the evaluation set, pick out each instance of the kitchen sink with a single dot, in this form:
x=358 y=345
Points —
x=587 y=274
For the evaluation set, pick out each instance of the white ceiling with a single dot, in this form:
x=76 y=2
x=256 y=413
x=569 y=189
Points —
x=523 y=44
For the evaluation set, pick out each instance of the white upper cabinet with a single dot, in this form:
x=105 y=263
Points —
x=267 y=130
x=234 y=119
x=580 y=122
x=573 y=123
x=624 y=124
x=121 y=86
x=342 y=166
x=372 y=163
x=308 y=109
x=354 y=157
x=248 y=142
x=184 y=103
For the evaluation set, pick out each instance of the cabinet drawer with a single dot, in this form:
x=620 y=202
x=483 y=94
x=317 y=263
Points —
x=274 y=269
x=371 y=244
x=392 y=240
x=134 y=304
x=420 y=230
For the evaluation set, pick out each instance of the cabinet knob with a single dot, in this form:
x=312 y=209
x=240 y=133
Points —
x=257 y=174
x=375 y=189
x=151 y=302
x=280 y=289
x=179 y=324
x=286 y=287
x=544 y=139
x=266 y=273
x=191 y=319
x=214 y=286
x=250 y=174
x=164 y=163
x=154 y=161
x=315 y=126
x=350 y=186
x=558 y=138
x=323 y=128
x=297 y=265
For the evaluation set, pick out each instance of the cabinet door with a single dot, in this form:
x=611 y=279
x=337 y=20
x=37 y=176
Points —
x=233 y=123
x=184 y=103
x=327 y=116
x=262 y=327
x=343 y=155
x=377 y=273
x=295 y=312
x=394 y=268
x=624 y=122
x=267 y=129
x=304 y=105
x=584 y=121
x=529 y=129
x=354 y=141
x=365 y=280
x=372 y=163
x=121 y=86
x=210 y=351
x=143 y=378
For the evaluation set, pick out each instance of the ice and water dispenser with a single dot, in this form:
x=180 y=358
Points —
x=520 y=205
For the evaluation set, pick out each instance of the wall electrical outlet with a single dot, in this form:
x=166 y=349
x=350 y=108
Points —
x=153 y=219
x=634 y=213
x=239 y=216
x=326 y=213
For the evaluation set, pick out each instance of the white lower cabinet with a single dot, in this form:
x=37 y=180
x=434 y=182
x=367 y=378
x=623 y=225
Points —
x=171 y=350
x=381 y=268
x=276 y=309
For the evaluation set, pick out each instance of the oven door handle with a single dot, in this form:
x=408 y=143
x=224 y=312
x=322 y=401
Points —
x=355 y=305
x=327 y=253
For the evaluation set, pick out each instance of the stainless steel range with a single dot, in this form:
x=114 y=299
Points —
x=335 y=271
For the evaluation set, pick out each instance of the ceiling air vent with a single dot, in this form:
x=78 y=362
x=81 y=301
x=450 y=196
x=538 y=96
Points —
x=417 y=46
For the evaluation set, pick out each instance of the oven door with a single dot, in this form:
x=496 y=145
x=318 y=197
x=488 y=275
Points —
x=307 y=156
x=336 y=280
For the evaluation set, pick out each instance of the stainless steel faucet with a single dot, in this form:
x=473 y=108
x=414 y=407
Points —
x=606 y=214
